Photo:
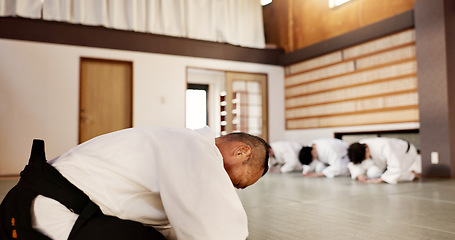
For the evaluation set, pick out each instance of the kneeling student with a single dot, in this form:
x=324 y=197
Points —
x=325 y=157
x=137 y=183
x=377 y=160
x=284 y=156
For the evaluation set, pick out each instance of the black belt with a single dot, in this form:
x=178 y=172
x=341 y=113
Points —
x=40 y=178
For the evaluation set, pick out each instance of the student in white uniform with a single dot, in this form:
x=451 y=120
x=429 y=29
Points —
x=325 y=157
x=284 y=155
x=377 y=160
x=179 y=181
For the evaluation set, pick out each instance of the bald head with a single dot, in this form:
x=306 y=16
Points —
x=245 y=157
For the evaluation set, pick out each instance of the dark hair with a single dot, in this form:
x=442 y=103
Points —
x=305 y=156
x=256 y=143
x=356 y=152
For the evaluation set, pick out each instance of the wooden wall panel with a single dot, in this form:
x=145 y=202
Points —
x=276 y=23
x=399 y=116
x=371 y=83
x=295 y=24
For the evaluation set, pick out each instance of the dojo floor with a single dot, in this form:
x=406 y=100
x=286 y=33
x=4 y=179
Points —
x=287 y=207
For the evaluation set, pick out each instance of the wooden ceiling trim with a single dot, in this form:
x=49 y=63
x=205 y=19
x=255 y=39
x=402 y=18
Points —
x=38 y=30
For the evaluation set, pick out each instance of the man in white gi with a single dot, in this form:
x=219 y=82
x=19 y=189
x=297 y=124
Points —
x=284 y=155
x=179 y=181
x=377 y=160
x=325 y=157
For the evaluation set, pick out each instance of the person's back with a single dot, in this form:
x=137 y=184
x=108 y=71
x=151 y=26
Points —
x=331 y=149
x=141 y=161
x=153 y=176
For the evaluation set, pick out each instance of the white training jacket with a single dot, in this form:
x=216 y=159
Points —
x=394 y=157
x=332 y=156
x=154 y=175
x=287 y=153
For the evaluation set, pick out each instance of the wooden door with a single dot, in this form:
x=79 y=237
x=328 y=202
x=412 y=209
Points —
x=105 y=97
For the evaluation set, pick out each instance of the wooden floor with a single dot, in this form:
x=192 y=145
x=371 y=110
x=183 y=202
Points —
x=287 y=207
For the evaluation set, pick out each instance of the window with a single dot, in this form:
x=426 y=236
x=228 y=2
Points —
x=233 y=101
x=196 y=106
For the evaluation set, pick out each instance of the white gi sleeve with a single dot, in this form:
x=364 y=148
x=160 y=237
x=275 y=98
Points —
x=198 y=196
x=331 y=171
x=359 y=169
x=355 y=170
x=289 y=167
x=291 y=161
x=337 y=165
x=311 y=167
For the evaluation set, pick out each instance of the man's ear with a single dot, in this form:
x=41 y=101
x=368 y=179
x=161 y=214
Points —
x=243 y=152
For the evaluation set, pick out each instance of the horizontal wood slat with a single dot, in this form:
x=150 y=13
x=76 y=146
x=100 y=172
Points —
x=362 y=82
x=363 y=91
x=404 y=38
x=353 y=106
x=398 y=116
x=405 y=66
x=387 y=42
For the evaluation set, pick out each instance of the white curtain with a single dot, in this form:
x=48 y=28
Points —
x=57 y=10
x=21 y=8
x=238 y=22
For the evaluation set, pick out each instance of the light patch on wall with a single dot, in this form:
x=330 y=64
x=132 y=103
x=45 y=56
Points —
x=265 y=2
x=196 y=108
x=336 y=3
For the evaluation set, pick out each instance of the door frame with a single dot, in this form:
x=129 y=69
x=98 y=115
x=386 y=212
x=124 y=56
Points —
x=265 y=125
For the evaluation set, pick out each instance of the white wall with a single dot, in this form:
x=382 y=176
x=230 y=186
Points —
x=39 y=94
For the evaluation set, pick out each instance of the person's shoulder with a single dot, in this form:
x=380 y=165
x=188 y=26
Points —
x=205 y=131
x=161 y=129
